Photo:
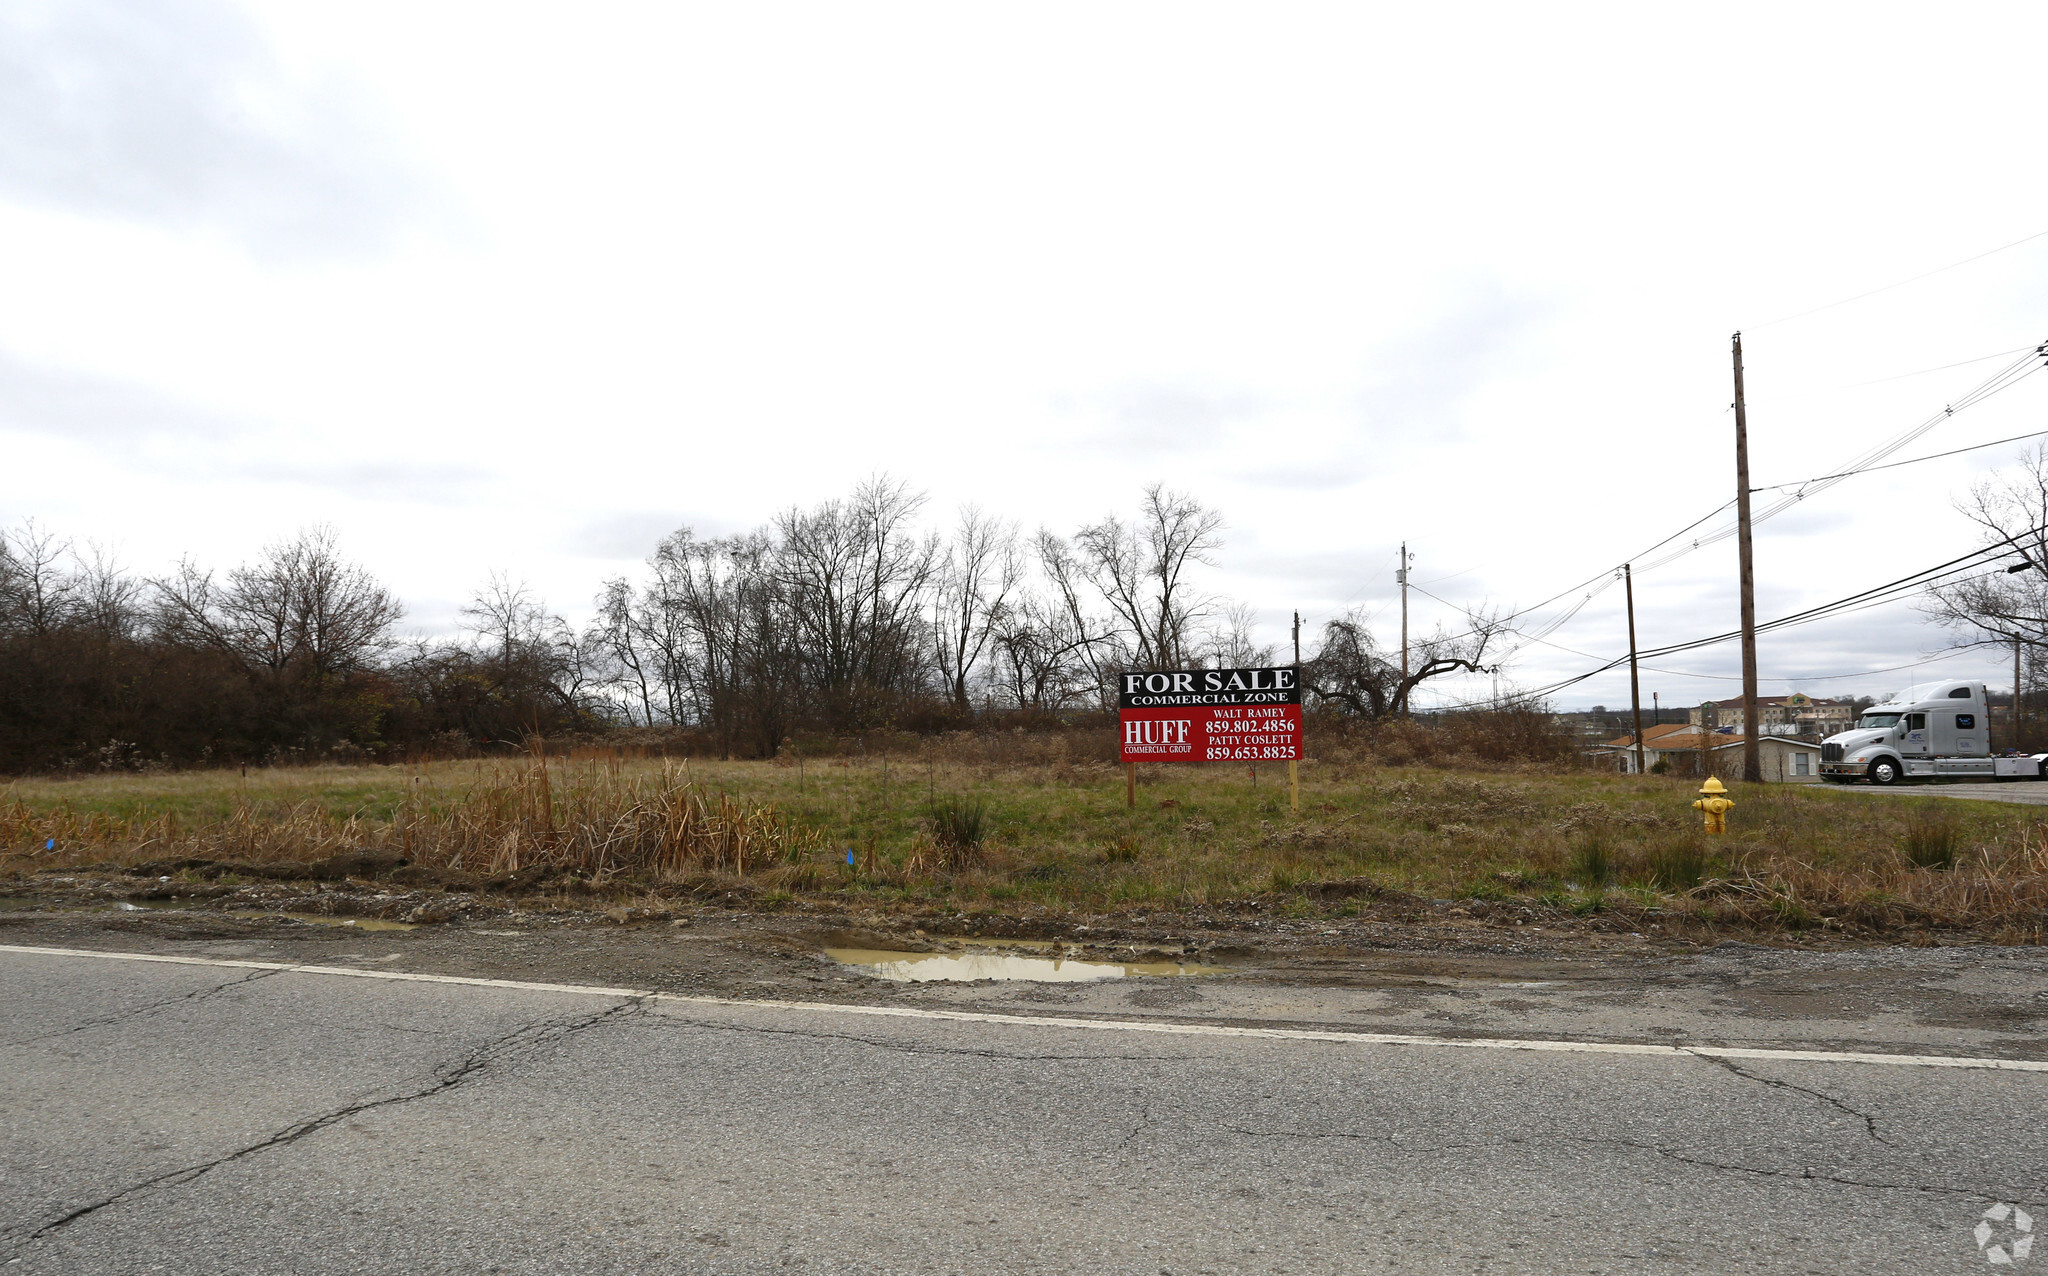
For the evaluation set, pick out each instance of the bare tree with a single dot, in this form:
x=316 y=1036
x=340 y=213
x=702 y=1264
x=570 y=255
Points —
x=301 y=607
x=976 y=579
x=715 y=620
x=1042 y=658
x=2000 y=608
x=621 y=658
x=507 y=615
x=109 y=600
x=1231 y=642
x=1065 y=628
x=854 y=576
x=1140 y=569
x=36 y=589
x=1353 y=672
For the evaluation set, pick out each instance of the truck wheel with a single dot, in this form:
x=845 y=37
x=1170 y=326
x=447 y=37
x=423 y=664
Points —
x=1886 y=771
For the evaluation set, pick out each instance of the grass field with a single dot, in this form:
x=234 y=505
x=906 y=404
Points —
x=1057 y=833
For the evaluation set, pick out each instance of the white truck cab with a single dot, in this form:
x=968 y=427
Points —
x=1932 y=731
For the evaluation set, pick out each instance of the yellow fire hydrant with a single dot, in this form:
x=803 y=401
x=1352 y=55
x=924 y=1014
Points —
x=1714 y=805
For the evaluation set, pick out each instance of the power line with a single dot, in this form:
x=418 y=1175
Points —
x=2004 y=379
x=1903 y=282
x=1860 y=601
x=1858 y=385
x=1872 y=459
x=1936 y=456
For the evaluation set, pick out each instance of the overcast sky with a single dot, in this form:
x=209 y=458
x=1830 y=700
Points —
x=523 y=288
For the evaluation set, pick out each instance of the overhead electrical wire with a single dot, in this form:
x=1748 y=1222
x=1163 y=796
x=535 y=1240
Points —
x=2030 y=362
x=1901 y=376
x=1903 y=282
x=1849 y=604
x=1933 y=456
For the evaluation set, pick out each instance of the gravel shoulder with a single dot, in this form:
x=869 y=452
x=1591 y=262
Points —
x=1434 y=969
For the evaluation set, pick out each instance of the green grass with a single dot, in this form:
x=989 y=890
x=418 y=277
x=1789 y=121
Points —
x=1058 y=834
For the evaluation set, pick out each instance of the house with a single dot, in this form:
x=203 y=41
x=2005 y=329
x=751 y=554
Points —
x=1796 y=714
x=1682 y=749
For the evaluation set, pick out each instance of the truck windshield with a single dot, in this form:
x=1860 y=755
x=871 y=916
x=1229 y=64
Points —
x=1879 y=720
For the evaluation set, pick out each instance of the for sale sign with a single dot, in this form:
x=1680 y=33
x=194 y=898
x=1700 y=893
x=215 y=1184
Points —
x=1211 y=715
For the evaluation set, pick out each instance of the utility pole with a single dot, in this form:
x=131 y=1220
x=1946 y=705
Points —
x=2015 y=691
x=1294 y=766
x=1752 y=748
x=1635 y=691
x=1402 y=576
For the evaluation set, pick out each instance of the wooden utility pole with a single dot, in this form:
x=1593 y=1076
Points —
x=1402 y=576
x=1293 y=772
x=1635 y=690
x=1752 y=748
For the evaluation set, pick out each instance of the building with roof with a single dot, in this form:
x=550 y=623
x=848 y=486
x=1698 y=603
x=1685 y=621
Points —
x=1687 y=751
x=1796 y=714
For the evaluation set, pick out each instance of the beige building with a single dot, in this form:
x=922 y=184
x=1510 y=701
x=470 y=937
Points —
x=1685 y=751
x=1796 y=714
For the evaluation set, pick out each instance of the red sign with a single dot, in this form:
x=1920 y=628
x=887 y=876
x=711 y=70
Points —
x=1211 y=715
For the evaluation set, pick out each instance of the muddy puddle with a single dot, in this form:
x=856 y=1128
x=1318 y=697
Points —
x=1044 y=965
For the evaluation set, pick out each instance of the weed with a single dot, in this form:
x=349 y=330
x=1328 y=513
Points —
x=1791 y=912
x=1930 y=838
x=959 y=824
x=1592 y=862
x=1124 y=850
x=1676 y=863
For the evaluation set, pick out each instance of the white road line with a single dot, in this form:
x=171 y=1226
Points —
x=1090 y=1025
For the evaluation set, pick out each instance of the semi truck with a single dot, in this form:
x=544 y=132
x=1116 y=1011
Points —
x=1936 y=730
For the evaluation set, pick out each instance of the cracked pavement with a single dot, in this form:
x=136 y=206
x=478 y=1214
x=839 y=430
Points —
x=199 y=1119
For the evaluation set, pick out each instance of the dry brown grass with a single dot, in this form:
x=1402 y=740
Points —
x=1054 y=832
x=599 y=822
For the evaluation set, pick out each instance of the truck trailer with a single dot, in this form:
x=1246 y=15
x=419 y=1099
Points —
x=1937 y=730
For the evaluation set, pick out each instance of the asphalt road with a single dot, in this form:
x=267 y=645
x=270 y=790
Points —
x=226 y=1118
x=2018 y=793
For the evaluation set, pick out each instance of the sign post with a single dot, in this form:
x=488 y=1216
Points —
x=1211 y=715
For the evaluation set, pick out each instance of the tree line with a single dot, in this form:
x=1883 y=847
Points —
x=847 y=617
